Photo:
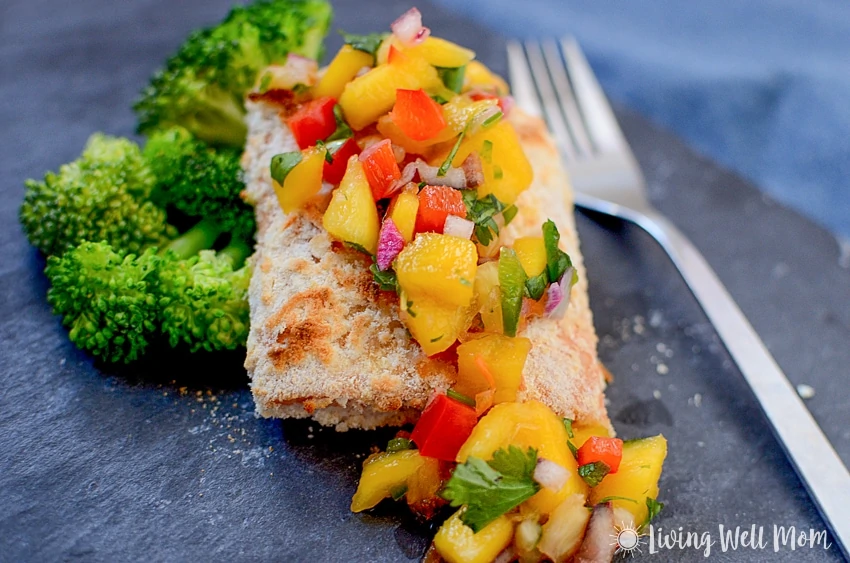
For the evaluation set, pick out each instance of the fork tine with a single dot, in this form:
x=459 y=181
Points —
x=598 y=114
x=551 y=109
x=565 y=95
x=522 y=86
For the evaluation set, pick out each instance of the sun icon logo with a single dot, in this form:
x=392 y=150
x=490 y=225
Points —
x=627 y=538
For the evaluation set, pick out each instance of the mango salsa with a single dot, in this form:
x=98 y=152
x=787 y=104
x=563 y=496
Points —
x=637 y=477
x=504 y=357
x=530 y=424
x=440 y=52
x=479 y=76
x=434 y=324
x=345 y=65
x=352 y=215
x=368 y=97
x=457 y=543
x=532 y=255
x=440 y=267
x=402 y=211
x=385 y=474
x=582 y=432
x=489 y=296
x=303 y=182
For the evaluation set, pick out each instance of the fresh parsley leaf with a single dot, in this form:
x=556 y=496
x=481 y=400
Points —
x=282 y=164
x=534 y=288
x=452 y=77
x=654 y=508
x=399 y=444
x=366 y=43
x=568 y=424
x=385 y=279
x=459 y=397
x=343 y=131
x=557 y=261
x=593 y=473
x=489 y=489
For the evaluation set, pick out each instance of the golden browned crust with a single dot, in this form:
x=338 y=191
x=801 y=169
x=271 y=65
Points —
x=325 y=343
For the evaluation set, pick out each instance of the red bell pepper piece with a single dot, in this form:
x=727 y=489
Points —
x=313 y=121
x=334 y=171
x=443 y=427
x=395 y=55
x=607 y=450
x=435 y=204
x=381 y=168
x=417 y=115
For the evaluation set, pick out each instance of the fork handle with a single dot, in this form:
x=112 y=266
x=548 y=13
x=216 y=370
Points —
x=809 y=450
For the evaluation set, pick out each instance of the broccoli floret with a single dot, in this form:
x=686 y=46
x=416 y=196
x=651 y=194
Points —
x=106 y=299
x=200 y=181
x=203 y=85
x=203 y=301
x=101 y=196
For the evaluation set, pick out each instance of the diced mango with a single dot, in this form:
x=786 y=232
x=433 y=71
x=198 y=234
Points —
x=532 y=255
x=402 y=211
x=441 y=267
x=442 y=53
x=489 y=296
x=479 y=76
x=637 y=477
x=384 y=474
x=371 y=95
x=426 y=482
x=507 y=172
x=504 y=357
x=343 y=68
x=352 y=215
x=303 y=182
x=457 y=543
x=581 y=433
x=526 y=425
x=563 y=533
x=433 y=324
x=383 y=52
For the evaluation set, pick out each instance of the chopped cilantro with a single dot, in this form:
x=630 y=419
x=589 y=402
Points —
x=399 y=491
x=385 y=279
x=557 y=261
x=482 y=212
x=437 y=339
x=573 y=449
x=568 y=424
x=282 y=164
x=609 y=499
x=487 y=151
x=343 y=131
x=654 y=508
x=509 y=213
x=535 y=288
x=439 y=99
x=399 y=444
x=459 y=397
x=331 y=148
x=497 y=173
x=593 y=473
x=489 y=489
x=357 y=247
x=409 y=309
x=366 y=43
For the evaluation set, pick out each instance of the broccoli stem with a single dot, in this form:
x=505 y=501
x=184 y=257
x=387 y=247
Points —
x=200 y=237
x=237 y=250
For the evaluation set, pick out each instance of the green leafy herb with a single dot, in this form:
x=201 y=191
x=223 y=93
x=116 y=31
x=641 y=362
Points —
x=492 y=120
x=399 y=444
x=357 y=247
x=557 y=261
x=444 y=167
x=482 y=212
x=366 y=43
x=509 y=213
x=265 y=82
x=343 y=131
x=568 y=424
x=487 y=151
x=300 y=89
x=593 y=473
x=497 y=173
x=459 y=397
x=399 y=491
x=282 y=164
x=511 y=286
x=452 y=77
x=489 y=489
x=409 y=308
x=535 y=288
x=573 y=449
x=439 y=99
x=386 y=279
x=609 y=499
x=437 y=338
x=654 y=508
x=331 y=148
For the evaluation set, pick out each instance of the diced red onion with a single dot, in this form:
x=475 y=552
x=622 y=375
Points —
x=506 y=556
x=551 y=475
x=398 y=152
x=454 y=177
x=597 y=545
x=507 y=104
x=390 y=244
x=558 y=296
x=408 y=28
x=458 y=227
x=407 y=175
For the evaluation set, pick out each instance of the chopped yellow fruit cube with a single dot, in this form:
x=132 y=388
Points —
x=433 y=324
x=403 y=211
x=563 y=533
x=457 y=543
x=303 y=182
x=504 y=357
x=532 y=255
x=426 y=482
x=527 y=425
x=440 y=52
x=479 y=76
x=343 y=68
x=637 y=477
x=489 y=296
x=352 y=215
x=581 y=433
x=384 y=474
x=441 y=267
x=371 y=95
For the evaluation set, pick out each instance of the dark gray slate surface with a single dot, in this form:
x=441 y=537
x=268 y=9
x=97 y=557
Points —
x=166 y=461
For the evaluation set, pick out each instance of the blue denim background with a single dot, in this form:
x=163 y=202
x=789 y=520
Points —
x=762 y=86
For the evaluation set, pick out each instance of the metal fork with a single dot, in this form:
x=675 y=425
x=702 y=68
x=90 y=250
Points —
x=556 y=77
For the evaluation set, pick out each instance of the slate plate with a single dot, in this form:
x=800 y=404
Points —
x=166 y=461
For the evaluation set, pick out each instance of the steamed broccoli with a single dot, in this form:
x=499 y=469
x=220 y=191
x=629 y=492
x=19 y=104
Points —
x=203 y=85
x=101 y=196
x=199 y=181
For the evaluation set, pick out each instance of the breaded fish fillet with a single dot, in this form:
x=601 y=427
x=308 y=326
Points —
x=326 y=343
